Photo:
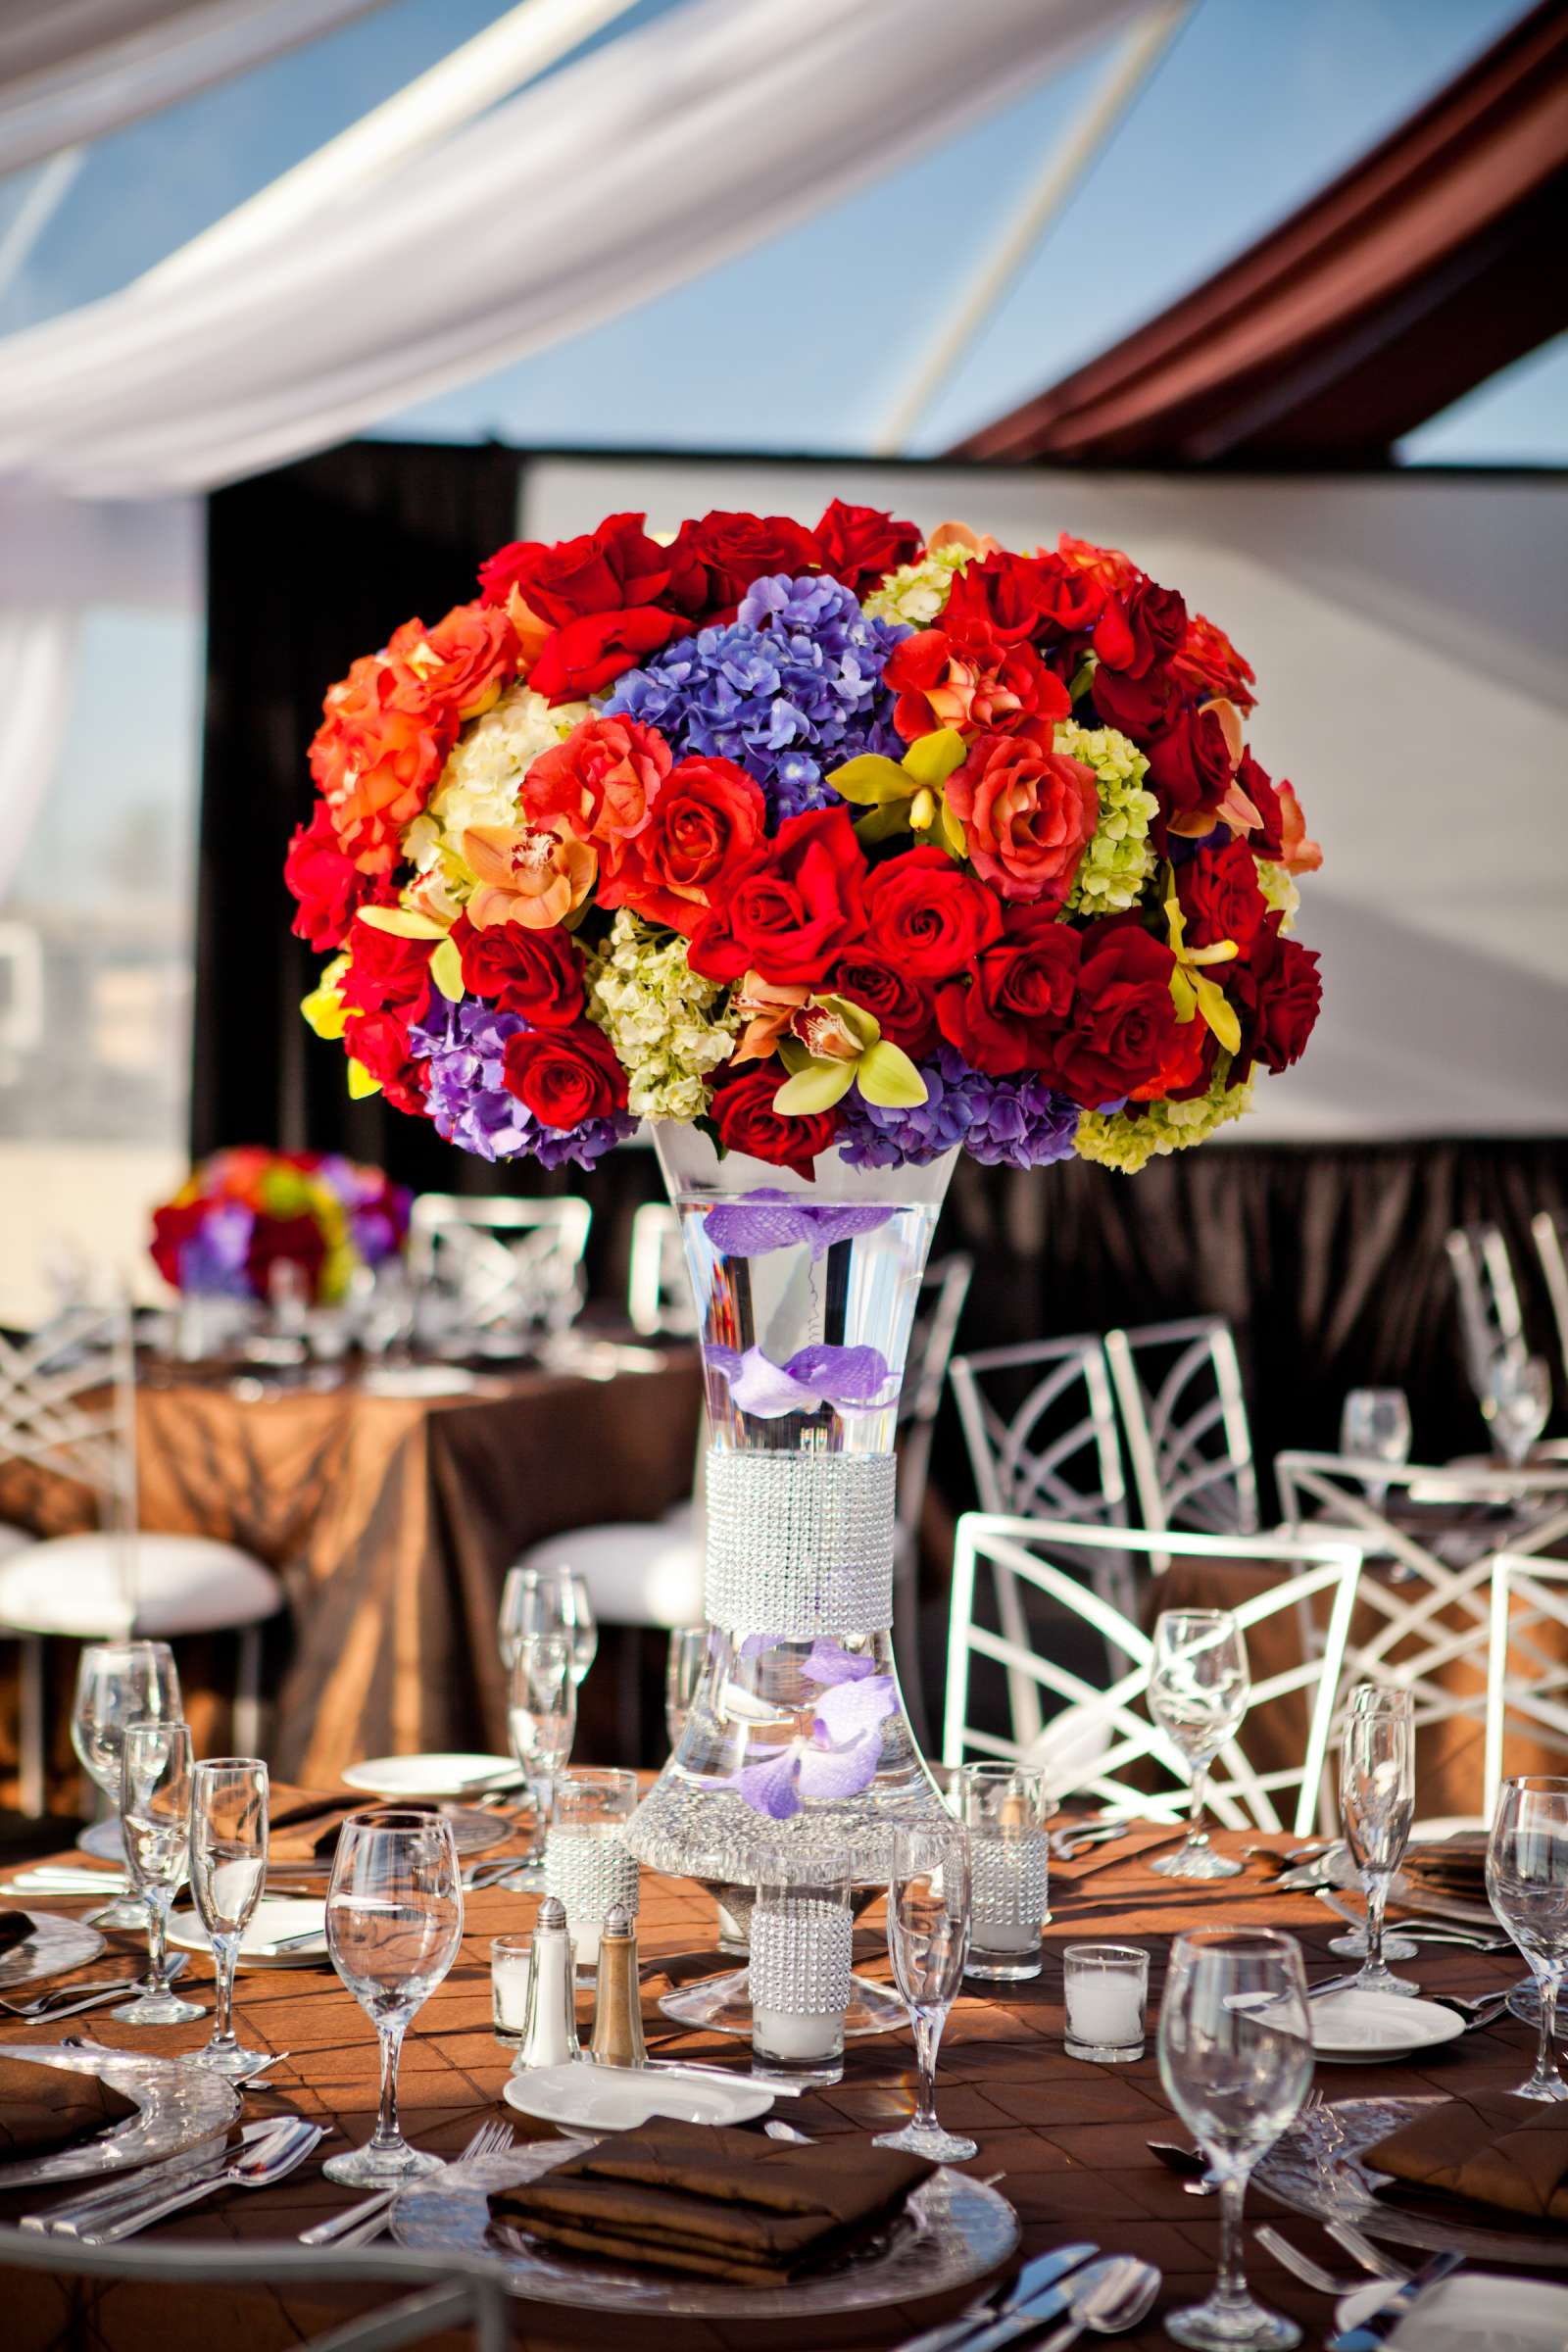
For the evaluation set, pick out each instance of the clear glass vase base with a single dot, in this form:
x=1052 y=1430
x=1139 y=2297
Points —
x=723 y=2005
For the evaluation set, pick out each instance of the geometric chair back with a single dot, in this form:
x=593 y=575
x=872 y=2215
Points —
x=1548 y=1236
x=1100 y=1739
x=1527 y=1665
x=1490 y=1319
x=1184 y=1416
x=659 y=1291
x=508 y=1265
x=68 y=1404
x=939 y=1304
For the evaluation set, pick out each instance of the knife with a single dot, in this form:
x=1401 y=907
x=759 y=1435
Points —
x=1034 y=2277
x=1372 y=2334
x=1025 y=2318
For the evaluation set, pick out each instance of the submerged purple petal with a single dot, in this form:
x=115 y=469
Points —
x=841 y=1222
x=852 y=1710
x=852 y=1376
x=829 y=1772
x=766 y=1219
x=723 y=1359
x=830 y=1662
x=773 y=1786
x=768 y=1390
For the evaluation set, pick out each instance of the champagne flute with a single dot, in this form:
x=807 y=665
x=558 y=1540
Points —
x=1377 y=1805
x=928 y=1943
x=683 y=1671
x=119 y=1682
x=229 y=1799
x=1236 y=2061
x=1375 y=1426
x=155 y=1817
x=394 y=1924
x=1517 y=1402
x=1199 y=1685
x=541 y=1724
x=548 y=1600
x=1527 y=1884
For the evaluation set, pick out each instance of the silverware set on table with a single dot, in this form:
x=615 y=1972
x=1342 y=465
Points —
x=1089 y=2293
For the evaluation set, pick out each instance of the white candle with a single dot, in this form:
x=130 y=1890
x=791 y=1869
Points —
x=509 y=1990
x=778 y=2034
x=1105 y=2010
x=992 y=1935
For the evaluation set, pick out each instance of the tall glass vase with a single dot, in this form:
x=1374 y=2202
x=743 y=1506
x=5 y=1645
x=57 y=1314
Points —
x=796 y=1740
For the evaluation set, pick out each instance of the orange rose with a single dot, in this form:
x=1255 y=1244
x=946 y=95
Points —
x=374 y=764
x=601 y=783
x=1027 y=811
x=464 y=661
x=978 y=682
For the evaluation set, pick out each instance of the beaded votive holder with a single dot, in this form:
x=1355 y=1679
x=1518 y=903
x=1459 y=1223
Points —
x=800 y=1979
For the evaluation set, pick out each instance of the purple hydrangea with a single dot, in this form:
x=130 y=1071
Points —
x=790 y=688
x=470 y=1103
x=1017 y=1122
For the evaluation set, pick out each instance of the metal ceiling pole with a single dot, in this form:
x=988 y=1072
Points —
x=1060 y=175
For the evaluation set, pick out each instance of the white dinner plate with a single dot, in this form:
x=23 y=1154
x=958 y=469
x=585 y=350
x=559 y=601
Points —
x=1471 y=2312
x=273 y=1919
x=429 y=1776
x=420 y=1379
x=614 y=2098
x=1349 y=2026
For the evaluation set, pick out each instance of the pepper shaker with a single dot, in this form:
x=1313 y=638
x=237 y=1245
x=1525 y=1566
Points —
x=549 y=2023
x=618 y=2039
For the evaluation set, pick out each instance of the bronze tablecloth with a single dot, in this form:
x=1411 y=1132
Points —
x=391 y=1522
x=1068 y=2140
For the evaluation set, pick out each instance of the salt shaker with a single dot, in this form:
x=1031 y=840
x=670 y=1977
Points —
x=550 y=2026
x=618 y=2039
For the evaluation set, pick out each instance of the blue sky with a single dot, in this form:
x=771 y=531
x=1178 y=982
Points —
x=804 y=342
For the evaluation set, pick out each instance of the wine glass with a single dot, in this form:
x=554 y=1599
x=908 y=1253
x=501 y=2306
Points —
x=1527 y=1884
x=1375 y=1426
x=155 y=1819
x=119 y=1682
x=928 y=1943
x=542 y=1723
x=1377 y=1805
x=1517 y=1402
x=683 y=1671
x=1236 y=2060
x=229 y=1799
x=548 y=1600
x=394 y=1924
x=1199 y=1684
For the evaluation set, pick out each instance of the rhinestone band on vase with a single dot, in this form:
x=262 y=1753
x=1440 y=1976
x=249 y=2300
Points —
x=801 y=1542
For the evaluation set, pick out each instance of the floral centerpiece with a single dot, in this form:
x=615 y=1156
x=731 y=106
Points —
x=243 y=1213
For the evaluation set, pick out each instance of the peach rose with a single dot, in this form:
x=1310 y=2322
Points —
x=601 y=783
x=464 y=661
x=1028 y=812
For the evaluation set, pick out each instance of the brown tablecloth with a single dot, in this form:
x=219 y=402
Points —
x=1067 y=2140
x=392 y=1522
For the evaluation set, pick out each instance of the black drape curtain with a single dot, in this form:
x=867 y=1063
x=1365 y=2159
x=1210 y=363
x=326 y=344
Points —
x=1329 y=1260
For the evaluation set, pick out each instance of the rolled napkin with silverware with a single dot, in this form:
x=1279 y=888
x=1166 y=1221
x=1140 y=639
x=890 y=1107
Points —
x=43 y=2108
x=14 y=1928
x=709 y=2198
x=1489 y=2148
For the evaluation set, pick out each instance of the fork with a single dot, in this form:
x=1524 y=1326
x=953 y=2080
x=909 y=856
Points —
x=74 y=2213
x=256 y=2167
x=365 y=2220
x=69 y=2000
x=1312 y=2274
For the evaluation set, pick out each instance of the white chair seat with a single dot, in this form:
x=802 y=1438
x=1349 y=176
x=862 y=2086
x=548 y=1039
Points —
x=638 y=1572
x=13 y=1538
x=82 y=1585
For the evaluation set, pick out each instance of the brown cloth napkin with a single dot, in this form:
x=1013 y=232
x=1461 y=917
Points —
x=43 y=2108
x=1490 y=2149
x=14 y=1928
x=705 y=2197
x=1456 y=1866
x=303 y=1823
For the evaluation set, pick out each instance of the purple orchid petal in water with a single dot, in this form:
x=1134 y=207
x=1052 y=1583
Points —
x=851 y=1379
x=857 y=1377
x=755 y=1645
x=830 y=1662
x=726 y=1360
x=830 y=1772
x=772 y=1785
x=768 y=1390
x=852 y=1710
x=771 y=1219
x=841 y=1222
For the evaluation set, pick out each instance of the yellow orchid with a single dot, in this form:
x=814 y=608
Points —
x=324 y=1008
x=906 y=794
x=1192 y=991
x=835 y=1044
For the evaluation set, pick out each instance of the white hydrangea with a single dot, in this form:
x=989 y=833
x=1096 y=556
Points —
x=1120 y=859
x=660 y=1016
x=918 y=592
x=480 y=783
x=1128 y=1139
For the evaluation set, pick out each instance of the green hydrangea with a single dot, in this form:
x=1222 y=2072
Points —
x=917 y=592
x=1280 y=891
x=1120 y=859
x=660 y=1017
x=1128 y=1139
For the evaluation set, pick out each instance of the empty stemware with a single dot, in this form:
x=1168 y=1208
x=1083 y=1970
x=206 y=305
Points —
x=1375 y=1426
x=548 y=1600
x=228 y=1802
x=1377 y=1805
x=928 y=1943
x=1517 y=1402
x=1199 y=1684
x=119 y=1682
x=542 y=1723
x=154 y=1818
x=394 y=1924
x=683 y=1671
x=1527 y=1884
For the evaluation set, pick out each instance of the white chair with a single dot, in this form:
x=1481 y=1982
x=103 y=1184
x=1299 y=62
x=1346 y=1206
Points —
x=659 y=1291
x=1527 y=1660
x=504 y=1267
x=1097 y=1734
x=1184 y=1416
x=944 y=1290
x=1490 y=1319
x=1547 y=1235
x=67 y=1405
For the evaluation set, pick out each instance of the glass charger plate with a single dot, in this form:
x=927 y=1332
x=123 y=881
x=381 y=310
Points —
x=1316 y=2169
x=951 y=2230
x=103 y=1839
x=55 y=1945
x=177 y=2107
x=473 y=1833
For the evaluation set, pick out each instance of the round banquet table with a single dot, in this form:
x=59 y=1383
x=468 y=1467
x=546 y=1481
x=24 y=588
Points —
x=1065 y=2141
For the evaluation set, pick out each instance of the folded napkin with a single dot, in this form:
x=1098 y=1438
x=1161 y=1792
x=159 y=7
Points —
x=1490 y=2149
x=709 y=2198
x=1456 y=1865
x=14 y=1928
x=303 y=1823
x=43 y=2108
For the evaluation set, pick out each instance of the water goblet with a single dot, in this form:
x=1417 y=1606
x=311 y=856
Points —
x=1526 y=1885
x=119 y=1682
x=683 y=1671
x=1517 y=1402
x=228 y=1802
x=1377 y=1805
x=1199 y=1684
x=548 y=1600
x=541 y=1725
x=394 y=1924
x=1236 y=2062
x=928 y=1943
x=1375 y=1426
x=155 y=1817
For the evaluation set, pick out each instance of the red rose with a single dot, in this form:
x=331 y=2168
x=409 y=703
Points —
x=723 y=554
x=971 y=684
x=1019 y=996
x=1189 y=767
x=861 y=544
x=379 y=1041
x=1027 y=811
x=1277 y=994
x=604 y=571
x=172 y=1227
x=1208 y=664
x=564 y=1076
x=1068 y=600
x=927 y=915
x=387 y=974
x=585 y=654
x=464 y=661
x=704 y=827
x=600 y=784
x=1123 y=1028
x=329 y=885
x=1221 y=900
x=284 y=1241
x=996 y=597
x=535 y=974
x=792 y=909
x=884 y=987
x=743 y=1112
x=1144 y=625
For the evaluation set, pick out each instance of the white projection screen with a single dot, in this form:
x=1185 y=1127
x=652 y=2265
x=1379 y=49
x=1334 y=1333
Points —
x=1408 y=634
